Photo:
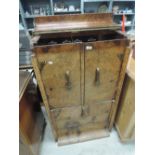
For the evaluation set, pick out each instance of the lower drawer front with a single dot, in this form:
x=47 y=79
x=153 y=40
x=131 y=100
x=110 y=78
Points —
x=74 y=112
x=85 y=133
x=69 y=120
x=75 y=124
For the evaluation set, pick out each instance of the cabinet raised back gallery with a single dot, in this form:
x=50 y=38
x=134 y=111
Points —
x=79 y=62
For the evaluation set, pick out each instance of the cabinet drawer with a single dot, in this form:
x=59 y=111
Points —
x=70 y=118
x=60 y=71
x=71 y=123
x=71 y=126
x=81 y=134
x=74 y=112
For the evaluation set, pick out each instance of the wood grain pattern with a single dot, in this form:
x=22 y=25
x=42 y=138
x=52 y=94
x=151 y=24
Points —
x=105 y=56
x=93 y=66
x=74 y=112
x=89 y=132
x=69 y=120
x=119 y=87
x=76 y=22
x=43 y=94
x=125 y=120
x=59 y=60
x=31 y=119
x=131 y=66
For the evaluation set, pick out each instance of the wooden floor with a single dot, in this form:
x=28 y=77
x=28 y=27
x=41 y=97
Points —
x=107 y=146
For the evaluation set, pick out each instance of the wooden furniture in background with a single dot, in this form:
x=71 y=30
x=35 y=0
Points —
x=31 y=119
x=125 y=120
x=80 y=63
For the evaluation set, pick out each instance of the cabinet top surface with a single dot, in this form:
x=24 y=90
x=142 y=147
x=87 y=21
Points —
x=76 y=22
x=24 y=78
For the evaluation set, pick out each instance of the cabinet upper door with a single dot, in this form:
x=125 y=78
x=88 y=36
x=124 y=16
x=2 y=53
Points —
x=60 y=71
x=103 y=60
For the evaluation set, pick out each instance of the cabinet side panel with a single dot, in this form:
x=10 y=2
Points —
x=119 y=87
x=44 y=97
x=125 y=119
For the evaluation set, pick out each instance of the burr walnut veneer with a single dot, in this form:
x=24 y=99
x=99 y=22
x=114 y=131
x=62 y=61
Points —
x=79 y=62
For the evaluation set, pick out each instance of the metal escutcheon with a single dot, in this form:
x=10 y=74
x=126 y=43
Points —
x=88 y=47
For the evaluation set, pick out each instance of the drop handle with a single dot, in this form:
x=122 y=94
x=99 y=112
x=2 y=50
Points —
x=42 y=65
x=97 y=76
x=68 y=80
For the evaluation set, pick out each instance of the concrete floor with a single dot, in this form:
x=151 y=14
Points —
x=105 y=146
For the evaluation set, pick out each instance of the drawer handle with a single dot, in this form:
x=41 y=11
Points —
x=97 y=76
x=68 y=81
x=42 y=64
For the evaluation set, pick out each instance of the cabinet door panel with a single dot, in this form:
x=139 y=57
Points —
x=60 y=71
x=102 y=67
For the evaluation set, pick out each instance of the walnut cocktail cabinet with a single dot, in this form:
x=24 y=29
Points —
x=79 y=62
